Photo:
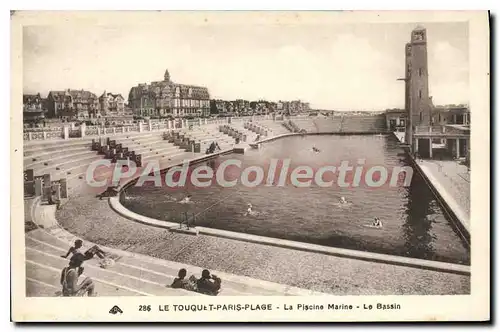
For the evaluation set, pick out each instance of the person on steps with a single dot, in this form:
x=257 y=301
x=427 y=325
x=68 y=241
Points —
x=74 y=249
x=89 y=254
x=182 y=282
x=208 y=284
x=70 y=276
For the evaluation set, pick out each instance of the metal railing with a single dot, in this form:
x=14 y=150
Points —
x=72 y=131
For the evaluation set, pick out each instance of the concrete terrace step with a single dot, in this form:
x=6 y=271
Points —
x=220 y=139
x=51 y=142
x=140 y=279
x=132 y=268
x=53 y=154
x=157 y=150
x=137 y=147
x=77 y=177
x=161 y=275
x=76 y=171
x=133 y=135
x=144 y=140
x=200 y=135
x=171 y=156
x=44 y=281
x=54 y=147
x=69 y=164
x=222 y=144
x=161 y=152
x=141 y=145
x=158 y=146
x=70 y=155
x=307 y=125
x=139 y=286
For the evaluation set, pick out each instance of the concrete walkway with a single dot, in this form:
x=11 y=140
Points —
x=452 y=181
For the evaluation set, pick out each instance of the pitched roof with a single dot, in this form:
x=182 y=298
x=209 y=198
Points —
x=197 y=92
x=31 y=98
x=74 y=94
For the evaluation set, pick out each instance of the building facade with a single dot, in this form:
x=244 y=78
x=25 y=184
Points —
x=111 y=104
x=395 y=119
x=73 y=104
x=33 y=108
x=166 y=98
x=292 y=107
x=451 y=115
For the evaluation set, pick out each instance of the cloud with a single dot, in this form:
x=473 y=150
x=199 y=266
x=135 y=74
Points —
x=448 y=73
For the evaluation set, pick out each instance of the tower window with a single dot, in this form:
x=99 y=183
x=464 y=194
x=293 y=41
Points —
x=420 y=72
x=421 y=118
x=420 y=94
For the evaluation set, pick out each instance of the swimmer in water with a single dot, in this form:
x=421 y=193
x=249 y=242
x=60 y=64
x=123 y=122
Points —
x=342 y=200
x=249 y=210
x=186 y=200
x=377 y=222
x=315 y=149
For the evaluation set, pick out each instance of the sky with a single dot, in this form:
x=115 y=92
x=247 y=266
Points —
x=331 y=66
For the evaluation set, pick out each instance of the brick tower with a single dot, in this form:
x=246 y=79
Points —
x=417 y=83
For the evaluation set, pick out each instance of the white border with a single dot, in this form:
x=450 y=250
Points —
x=146 y=4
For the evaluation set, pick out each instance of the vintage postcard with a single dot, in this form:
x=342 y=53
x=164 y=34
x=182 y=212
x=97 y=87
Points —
x=250 y=166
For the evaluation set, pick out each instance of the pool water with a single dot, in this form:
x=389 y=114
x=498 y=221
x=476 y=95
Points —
x=413 y=223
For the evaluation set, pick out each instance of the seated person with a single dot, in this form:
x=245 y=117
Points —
x=205 y=284
x=52 y=200
x=181 y=282
x=95 y=250
x=70 y=275
x=109 y=192
x=74 y=249
x=89 y=254
x=212 y=147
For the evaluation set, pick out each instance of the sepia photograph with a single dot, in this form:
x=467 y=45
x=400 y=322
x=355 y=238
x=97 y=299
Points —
x=218 y=162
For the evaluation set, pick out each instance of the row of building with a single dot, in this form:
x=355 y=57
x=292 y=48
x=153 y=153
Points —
x=245 y=107
x=440 y=115
x=72 y=104
x=160 y=98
